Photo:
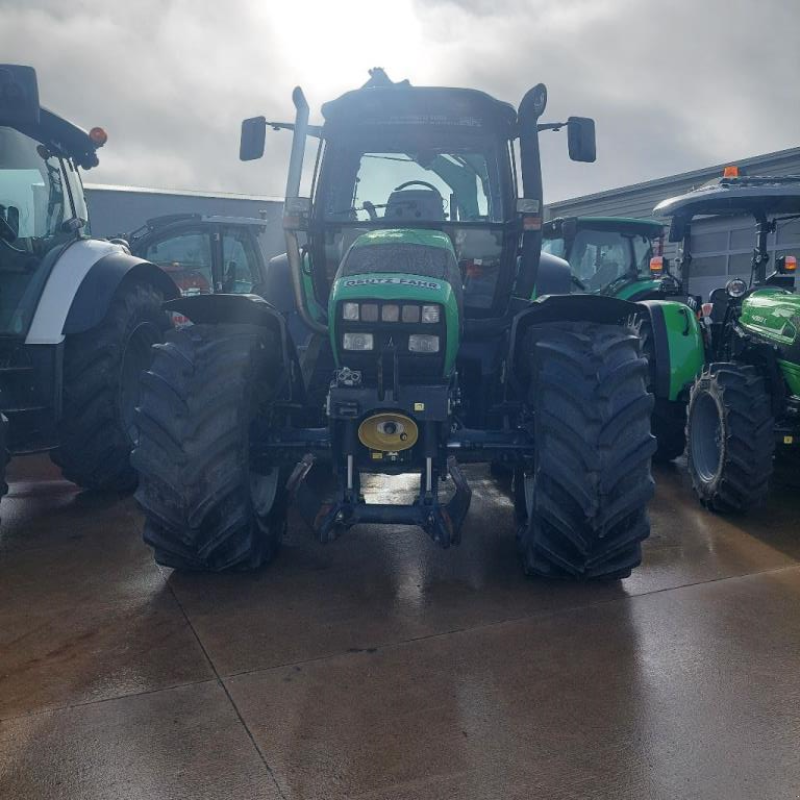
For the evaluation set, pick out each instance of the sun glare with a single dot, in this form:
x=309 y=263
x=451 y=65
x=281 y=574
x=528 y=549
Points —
x=331 y=52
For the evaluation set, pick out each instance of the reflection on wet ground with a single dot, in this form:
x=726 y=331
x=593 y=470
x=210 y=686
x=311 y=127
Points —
x=383 y=667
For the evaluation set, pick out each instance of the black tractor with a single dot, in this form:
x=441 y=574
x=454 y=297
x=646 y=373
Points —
x=441 y=337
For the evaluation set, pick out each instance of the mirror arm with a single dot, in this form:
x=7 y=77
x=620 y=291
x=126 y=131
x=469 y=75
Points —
x=551 y=126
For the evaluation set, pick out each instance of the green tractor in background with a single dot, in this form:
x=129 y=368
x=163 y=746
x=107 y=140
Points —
x=746 y=403
x=612 y=256
x=623 y=258
x=441 y=336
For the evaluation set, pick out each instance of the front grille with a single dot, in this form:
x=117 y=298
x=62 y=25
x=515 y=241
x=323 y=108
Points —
x=393 y=337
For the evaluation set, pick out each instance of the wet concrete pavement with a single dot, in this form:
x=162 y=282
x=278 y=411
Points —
x=383 y=667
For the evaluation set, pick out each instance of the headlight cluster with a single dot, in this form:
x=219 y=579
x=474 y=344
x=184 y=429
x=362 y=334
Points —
x=390 y=312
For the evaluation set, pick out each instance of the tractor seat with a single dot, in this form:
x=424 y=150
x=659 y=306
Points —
x=411 y=205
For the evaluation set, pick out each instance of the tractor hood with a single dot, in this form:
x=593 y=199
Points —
x=393 y=287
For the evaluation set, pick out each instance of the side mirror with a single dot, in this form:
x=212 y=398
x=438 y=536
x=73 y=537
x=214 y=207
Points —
x=19 y=95
x=254 y=134
x=581 y=138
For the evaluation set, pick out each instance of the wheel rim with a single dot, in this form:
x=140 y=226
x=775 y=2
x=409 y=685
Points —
x=706 y=437
x=135 y=360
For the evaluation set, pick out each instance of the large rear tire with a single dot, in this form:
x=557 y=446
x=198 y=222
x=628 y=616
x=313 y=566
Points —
x=101 y=390
x=205 y=509
x=586 y=497
x=731 y=439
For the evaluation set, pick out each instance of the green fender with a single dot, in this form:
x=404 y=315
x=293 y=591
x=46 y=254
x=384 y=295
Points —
x=678 y=347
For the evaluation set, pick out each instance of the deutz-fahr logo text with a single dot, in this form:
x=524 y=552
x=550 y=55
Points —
x=392 y=282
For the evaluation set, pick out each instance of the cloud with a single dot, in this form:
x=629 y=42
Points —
x=672 y=86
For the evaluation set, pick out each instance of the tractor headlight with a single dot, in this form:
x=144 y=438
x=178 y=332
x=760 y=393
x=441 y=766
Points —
x=369 y=312
x=358 y=341
x=390 y=313
x=350 y=312
x=423 y=342
x=430 y=314
x=736 y=288
x=410 y=313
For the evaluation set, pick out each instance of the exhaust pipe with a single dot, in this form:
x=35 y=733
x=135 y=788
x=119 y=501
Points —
x=530 y=109
x=292 y=193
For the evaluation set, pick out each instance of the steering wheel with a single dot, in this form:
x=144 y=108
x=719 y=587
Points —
x=417 y=183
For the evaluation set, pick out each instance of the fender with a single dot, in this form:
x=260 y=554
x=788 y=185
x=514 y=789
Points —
x=678 y=346
x=66 y=274
x=97 y=289
x=72 y=301
x=248 y=309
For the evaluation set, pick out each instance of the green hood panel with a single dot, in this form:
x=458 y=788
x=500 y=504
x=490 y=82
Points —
x=685 y=351
x=406 y=265
x=772 y=314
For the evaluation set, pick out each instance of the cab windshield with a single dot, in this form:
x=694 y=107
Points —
x=457 y=189
x=603 y=259
x=34 y=202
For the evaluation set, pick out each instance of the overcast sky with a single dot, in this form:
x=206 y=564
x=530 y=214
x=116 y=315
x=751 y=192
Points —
x=673 y=85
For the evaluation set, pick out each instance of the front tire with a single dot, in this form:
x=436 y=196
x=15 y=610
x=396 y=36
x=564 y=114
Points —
x=101 y=381
x=205 y=509
x=586 y=497
x=731 y=440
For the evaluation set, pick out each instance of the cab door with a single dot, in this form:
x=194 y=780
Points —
x=241 y=272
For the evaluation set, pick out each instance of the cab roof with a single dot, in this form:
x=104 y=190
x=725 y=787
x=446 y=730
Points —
x=380 y=101
x=747 y=194
x=645 y=227
x=61 y=137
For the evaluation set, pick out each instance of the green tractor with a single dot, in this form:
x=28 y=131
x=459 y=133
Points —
x=614 y=256
x=442 y=336
x=745 y=406
x=623 y=257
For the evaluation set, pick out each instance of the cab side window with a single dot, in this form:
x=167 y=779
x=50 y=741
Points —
x=239 y=262
x=186 y=258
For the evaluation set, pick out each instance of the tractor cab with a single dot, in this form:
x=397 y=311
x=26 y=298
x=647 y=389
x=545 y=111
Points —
x=393 y=156
x=426 y=159
x=42 y=208
x=612 y=256
x=770 y=201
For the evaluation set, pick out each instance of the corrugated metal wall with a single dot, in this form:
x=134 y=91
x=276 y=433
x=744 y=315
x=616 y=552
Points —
x=722 y=248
